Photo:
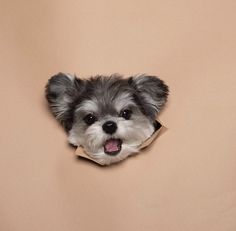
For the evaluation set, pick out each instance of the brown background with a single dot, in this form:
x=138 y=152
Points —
x=185 y=181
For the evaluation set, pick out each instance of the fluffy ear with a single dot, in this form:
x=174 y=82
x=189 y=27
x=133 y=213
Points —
x=150 y=92
x=62 y=91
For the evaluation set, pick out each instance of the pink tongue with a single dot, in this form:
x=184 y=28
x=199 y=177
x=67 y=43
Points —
x=112 y=145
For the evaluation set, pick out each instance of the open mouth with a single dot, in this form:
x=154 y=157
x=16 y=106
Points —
x=112 y=146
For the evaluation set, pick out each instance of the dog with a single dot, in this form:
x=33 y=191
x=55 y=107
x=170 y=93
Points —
x=110 y=116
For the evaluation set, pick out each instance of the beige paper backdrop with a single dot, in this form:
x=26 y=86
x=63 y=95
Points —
x=186 y=181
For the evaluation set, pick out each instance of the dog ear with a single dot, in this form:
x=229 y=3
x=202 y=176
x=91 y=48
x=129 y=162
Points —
x=150 y=93
x=62 y=91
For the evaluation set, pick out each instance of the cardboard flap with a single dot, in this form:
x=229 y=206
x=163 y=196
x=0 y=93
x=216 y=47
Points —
x=81 y=152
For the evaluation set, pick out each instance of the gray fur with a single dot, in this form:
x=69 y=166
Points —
x=62 y=94
x=71 y=99
x=65 y=95
x=151 y=93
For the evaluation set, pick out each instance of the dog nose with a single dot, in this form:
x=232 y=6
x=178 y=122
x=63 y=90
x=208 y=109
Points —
x=109 y=127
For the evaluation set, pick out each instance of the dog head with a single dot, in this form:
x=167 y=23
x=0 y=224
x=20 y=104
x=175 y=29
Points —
x=108 y=115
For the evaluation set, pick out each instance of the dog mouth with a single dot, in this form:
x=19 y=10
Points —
x=112 y=146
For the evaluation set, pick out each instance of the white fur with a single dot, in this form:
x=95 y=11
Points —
x=132 y=134
x=71 y=77
x=88 y=106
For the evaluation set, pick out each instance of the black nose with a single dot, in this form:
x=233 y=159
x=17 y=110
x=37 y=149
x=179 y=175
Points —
x=109 y=127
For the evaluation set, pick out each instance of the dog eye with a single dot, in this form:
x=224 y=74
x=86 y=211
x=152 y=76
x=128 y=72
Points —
x=126 y=114
x=90 y=119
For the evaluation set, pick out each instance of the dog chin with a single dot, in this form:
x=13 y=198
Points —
x=123 y=144
x=105 y=159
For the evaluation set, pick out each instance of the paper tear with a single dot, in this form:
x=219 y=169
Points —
x=81 y=152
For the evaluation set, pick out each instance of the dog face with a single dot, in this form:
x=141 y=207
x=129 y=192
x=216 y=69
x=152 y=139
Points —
x=109 y=116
